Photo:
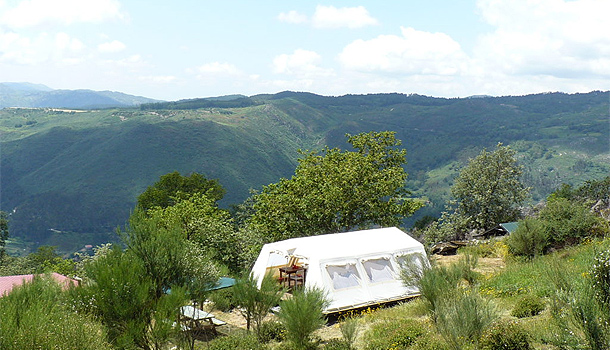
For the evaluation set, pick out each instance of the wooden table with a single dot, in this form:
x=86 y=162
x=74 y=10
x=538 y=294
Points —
x=293 y=273
x=199 y=320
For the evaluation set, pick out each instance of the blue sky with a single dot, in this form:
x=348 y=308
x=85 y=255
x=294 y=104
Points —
x=183 y=49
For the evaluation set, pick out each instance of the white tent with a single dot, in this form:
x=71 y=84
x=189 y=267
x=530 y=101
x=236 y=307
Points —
x=356 y=268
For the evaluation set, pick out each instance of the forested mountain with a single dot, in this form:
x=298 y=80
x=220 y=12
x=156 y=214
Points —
x=39 y=96
x=75 y=175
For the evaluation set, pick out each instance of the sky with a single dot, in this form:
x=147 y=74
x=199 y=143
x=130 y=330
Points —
x=180 y=49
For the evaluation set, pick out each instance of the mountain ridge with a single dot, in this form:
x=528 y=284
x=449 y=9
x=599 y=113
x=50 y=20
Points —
x=80 y=172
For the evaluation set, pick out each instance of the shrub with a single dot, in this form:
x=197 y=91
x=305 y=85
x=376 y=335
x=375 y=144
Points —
x=600 y=277
x=349 y=330
x=337 y=344
x=529 y=305
x=570 y=221
x=530 y=239
x=394 y=334
x=271 y=330
x=235 y=341
x=35 y=315
x=222 y=299
x=505 y=336
x=302 y=315
x=463 y=318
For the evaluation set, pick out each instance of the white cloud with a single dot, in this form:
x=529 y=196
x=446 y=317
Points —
x=348 y=17
x=292 y=17
x=302 y=63
x=111 y=47
x=414 y=52
x=217 y=68
x=31 y=13
x=565 y=39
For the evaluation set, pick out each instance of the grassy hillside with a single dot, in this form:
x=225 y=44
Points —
x=77 y=173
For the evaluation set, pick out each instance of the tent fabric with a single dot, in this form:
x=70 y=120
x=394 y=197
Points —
x=355 y=269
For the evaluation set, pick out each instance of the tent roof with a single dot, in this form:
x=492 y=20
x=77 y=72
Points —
x=347 y=244
x=510 y=226
x=7 y=283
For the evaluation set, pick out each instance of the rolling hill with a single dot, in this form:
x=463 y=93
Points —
x=41 y=96
x=71 y=177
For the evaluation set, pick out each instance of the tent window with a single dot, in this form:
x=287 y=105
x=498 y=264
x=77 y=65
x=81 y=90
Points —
x=413 y=259
x=343 y=276
x=276 y=259
x=379 y=270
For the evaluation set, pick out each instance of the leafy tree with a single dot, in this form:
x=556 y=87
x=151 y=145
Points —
x=488 y=191
x=335 y=191
x=172 y=187
x=203 y=223
x=166 y=256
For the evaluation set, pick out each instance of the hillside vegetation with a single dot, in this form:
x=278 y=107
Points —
x=76 y=173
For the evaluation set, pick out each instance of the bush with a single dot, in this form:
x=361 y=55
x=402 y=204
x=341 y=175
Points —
x=528 y=306
x=35 y=315
x=337 y=344
x=600 y=277
x=505 y=336
x=302 y=315
x=463 y=318
x=235 y=341
x=530 y=239
x=349 y=330
x=271 y=330
x=222 y=299
x=569 y=222
x=394 y=334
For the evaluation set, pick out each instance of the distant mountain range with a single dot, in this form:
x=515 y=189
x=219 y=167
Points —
x=70 y=177
x=41 y=96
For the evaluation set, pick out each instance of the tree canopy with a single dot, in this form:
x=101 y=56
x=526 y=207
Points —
x=335 y=191
x=488 y=191
x=173 y=187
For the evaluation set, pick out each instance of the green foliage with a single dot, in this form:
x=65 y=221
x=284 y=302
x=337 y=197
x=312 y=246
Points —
x=577 y=306
x=600 y=276
x=257 y=145
x=35 y=316
x=222 y=299
x=462 y=318
x=173 y=187
x=394 y=334
x=255 y=301
x=123 y=296
x=271 y=330
x=235 y=341
x=166 y=256
x=439 y=282
x=569 y=222
x=505 y=336
x=349 y=330
x=488 y=190
x=530 y=239
x=337 y=344
x=527 y=306
x=301 y=315
x=335 y=191
x=211 y=228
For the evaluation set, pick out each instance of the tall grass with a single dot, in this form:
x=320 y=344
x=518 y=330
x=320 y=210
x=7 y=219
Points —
x=36 y=316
